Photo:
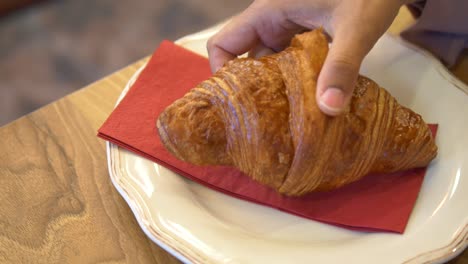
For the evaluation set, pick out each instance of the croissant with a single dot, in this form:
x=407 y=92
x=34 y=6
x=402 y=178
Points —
x=261 y=116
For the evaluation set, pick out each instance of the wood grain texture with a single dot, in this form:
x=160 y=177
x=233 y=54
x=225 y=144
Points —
x=58 y=204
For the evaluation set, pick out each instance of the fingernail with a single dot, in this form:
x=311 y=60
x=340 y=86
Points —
x=332 y=101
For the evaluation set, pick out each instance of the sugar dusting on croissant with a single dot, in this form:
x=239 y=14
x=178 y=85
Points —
x=260 y=116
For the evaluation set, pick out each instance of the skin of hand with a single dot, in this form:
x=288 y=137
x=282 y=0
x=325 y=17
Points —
x=267 y=26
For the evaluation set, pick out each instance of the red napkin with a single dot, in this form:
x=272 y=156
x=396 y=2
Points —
x=377 y=203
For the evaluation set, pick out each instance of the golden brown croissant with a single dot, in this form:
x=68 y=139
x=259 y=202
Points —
x=260 y=115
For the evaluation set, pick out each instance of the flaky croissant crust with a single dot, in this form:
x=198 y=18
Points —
x=261 y=116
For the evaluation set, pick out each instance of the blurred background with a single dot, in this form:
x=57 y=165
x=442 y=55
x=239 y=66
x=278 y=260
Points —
x=50 y=48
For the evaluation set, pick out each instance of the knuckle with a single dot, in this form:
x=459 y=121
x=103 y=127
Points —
x=346 y=62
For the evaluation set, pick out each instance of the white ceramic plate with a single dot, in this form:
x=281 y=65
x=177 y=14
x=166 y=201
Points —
x=200 y=225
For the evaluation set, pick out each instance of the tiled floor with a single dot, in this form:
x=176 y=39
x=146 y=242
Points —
x=52 y=49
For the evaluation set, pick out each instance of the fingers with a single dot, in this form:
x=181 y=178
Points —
x=236 y=38
x=263 y=27
x=339 y=73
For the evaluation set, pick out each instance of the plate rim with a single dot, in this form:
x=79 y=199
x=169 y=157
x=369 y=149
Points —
x=184 y=254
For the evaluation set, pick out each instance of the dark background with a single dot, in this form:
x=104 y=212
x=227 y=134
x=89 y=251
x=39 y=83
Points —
x=49 y=49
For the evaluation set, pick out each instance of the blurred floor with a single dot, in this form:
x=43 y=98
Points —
x=51 y=49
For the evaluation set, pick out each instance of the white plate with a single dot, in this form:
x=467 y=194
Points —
x=200 y=225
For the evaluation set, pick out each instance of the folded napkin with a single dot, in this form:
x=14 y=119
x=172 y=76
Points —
x=375 y=203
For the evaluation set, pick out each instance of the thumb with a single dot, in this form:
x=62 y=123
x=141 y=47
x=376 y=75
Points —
x=339 y=73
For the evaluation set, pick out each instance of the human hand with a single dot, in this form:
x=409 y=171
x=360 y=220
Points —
x=267 y=26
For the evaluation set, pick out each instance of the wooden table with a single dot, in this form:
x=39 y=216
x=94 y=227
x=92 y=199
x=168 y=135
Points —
x=58 y=204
